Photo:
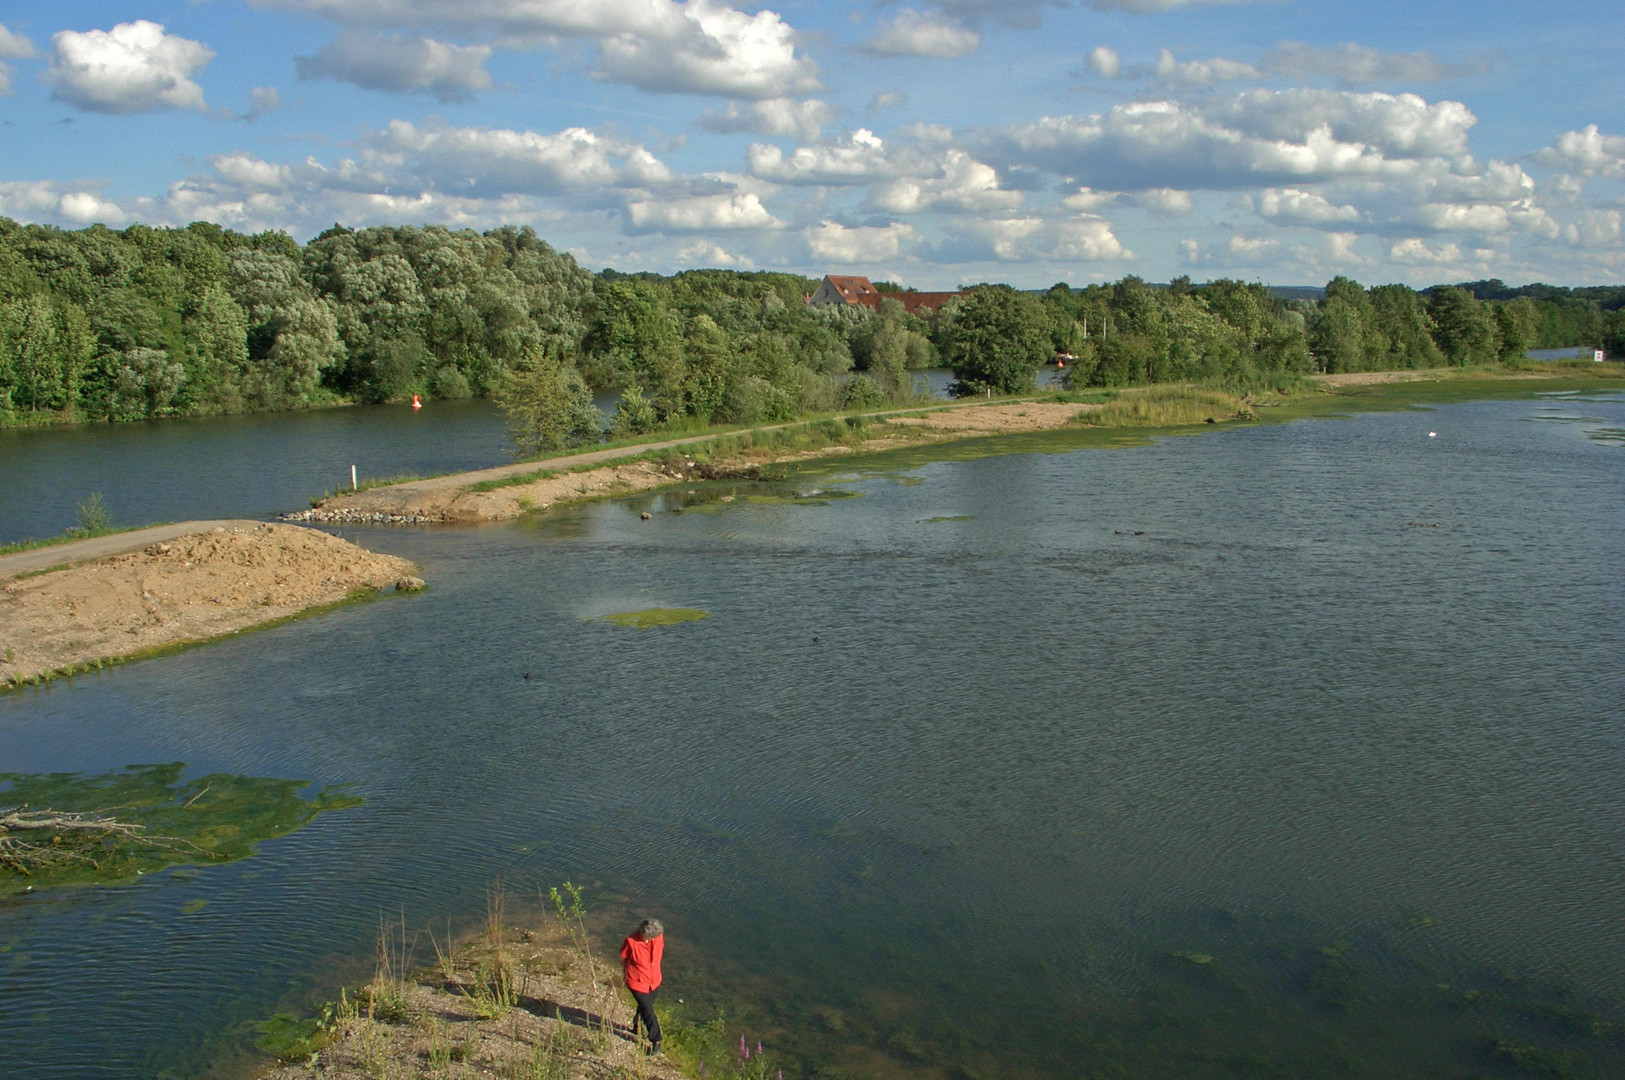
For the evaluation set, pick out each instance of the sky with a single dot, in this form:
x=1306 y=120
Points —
x=935 y=143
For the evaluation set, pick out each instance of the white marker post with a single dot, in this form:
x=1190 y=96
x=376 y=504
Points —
x=1596 y=356
x=353 y=485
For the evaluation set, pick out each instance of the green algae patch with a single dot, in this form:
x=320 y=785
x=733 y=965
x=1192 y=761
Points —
x=652 y=617
x=210 y=819
x=291 y=1039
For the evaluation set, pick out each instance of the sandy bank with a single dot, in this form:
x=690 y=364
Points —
x=197 y=585
x=453 y=498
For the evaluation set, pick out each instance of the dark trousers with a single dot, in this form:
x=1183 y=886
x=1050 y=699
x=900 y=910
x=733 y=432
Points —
x=646 y=1013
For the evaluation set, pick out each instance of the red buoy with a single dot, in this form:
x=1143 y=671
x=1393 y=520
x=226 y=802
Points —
x=416 y=404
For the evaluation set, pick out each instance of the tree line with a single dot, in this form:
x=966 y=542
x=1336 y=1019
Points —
x=101 y=324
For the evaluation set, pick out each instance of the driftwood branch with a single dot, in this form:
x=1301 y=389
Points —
x=30 y=839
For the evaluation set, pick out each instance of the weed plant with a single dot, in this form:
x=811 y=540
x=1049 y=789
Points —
x=1168 y=406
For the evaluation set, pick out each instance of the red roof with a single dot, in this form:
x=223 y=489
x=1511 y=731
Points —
x=858 y=290
x=916 y=303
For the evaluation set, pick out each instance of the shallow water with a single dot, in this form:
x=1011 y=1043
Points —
x=1292 y=750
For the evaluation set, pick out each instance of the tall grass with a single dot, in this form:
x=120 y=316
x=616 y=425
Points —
x=1168 y=406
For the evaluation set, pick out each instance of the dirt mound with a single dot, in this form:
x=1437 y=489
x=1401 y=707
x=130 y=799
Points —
x=195 y=587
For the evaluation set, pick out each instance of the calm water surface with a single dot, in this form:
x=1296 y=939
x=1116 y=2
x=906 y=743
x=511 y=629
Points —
x=1287 y=751
x=258 y=465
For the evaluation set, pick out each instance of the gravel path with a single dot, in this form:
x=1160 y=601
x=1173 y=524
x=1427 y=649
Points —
x=78 y=551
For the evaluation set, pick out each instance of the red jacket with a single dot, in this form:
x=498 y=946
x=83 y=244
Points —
x=641 y=961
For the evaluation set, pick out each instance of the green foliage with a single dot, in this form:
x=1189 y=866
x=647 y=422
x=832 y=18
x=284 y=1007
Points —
x=548 y=405
x=998 y=341
x=213 y=818
x=94 y=517
x=1464 y=328
x=122 y=325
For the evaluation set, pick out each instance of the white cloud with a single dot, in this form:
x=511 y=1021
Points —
x=962 y=183
x=1202 y=72
x=1596 y=228
x=703 y=253
x=859 y=157
x=862 y=245
x=1024 y=12
x=775 y=116
x=1292 y=206
x=1105 y=62
x=1087 y=238
x=246 y=170
x=1084 y=238
x=1486 y=218
x=1254 y=137
x=134 y=67
x=487 y=161
x=1250 y=247
x=1352 y=64
x=1237 y=251
x=729 y=211
x=1588 y=153
x=1414 y=252
x=13 y=46
x=50 y=201
x=921 y=33
x=400 y=64
x=709 y=48
x=1165 y=202
x=682 y=46
x=262 y=100
x=888 y=99
x=1087 y=199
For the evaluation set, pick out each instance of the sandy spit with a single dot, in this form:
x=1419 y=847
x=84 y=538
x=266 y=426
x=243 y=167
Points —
x=450 y=498
x=192 y=588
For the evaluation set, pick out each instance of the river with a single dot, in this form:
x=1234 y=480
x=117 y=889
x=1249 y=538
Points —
x=1292 y=750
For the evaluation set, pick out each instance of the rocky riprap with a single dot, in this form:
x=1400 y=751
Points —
x=363 y=517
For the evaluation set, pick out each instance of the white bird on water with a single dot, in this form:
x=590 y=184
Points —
x=1433 y=434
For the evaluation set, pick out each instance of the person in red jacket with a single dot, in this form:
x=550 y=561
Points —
x=640 y=960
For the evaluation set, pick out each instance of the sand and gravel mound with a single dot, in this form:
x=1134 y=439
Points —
x=192 y=588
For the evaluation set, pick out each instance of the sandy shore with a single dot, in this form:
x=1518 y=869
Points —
x=197 y=583
x=453 y=498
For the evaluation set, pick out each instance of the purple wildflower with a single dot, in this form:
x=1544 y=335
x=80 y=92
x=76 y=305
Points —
x=758 y=1049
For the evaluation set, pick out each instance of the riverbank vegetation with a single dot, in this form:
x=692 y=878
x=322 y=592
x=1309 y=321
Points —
x=99 y=324
x=520 y=1002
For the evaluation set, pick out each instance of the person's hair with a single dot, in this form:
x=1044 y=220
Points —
x=649 y=929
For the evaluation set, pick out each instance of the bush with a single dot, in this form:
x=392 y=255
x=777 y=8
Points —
x=548 y=405
x=634 y=415
x=862 y=392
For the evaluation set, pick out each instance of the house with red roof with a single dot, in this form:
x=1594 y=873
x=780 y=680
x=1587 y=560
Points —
x=854 y=290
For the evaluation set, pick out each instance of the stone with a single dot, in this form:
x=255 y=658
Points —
x=409 y=584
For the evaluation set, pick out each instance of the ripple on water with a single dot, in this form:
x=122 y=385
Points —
x=1351 y=761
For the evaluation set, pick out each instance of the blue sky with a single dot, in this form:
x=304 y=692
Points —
x=935 y=144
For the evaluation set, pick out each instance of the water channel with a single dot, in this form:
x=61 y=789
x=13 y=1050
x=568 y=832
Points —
x=1286 y=751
